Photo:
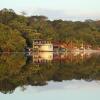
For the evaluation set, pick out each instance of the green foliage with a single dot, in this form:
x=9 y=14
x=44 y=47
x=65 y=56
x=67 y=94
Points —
x=39 y=27
x=10 y=40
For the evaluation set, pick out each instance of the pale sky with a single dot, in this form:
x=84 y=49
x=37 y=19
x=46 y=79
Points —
x=66 y=90
x=56 y=9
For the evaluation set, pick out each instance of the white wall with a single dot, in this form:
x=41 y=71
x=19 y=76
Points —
x=46 y=47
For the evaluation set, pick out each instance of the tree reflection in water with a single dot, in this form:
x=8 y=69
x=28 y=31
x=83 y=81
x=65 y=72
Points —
x=38 y=68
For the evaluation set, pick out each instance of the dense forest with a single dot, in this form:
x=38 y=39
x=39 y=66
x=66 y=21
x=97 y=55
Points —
x=18 y=31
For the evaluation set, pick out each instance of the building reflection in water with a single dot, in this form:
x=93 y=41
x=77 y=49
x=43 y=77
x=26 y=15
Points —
x=45 y=57
x=40 y=57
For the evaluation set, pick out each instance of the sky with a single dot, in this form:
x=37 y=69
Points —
x=56 y=9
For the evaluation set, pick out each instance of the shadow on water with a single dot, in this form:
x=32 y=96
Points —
x=36 y=69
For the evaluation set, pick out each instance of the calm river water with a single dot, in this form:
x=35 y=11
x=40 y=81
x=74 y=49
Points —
x=50 y=76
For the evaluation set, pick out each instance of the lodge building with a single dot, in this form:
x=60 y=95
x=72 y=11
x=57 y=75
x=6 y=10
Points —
x=42 y=45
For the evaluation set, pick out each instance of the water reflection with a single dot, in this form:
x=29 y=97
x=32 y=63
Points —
x=45 y=57
x=37 y=69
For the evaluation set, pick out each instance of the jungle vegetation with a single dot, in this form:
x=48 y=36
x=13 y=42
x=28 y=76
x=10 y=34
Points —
x=18 y=31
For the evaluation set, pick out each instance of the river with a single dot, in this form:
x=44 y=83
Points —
x=50 y=76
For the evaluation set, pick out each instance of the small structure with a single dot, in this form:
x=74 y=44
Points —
x=59 y=47
x=42 y=45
